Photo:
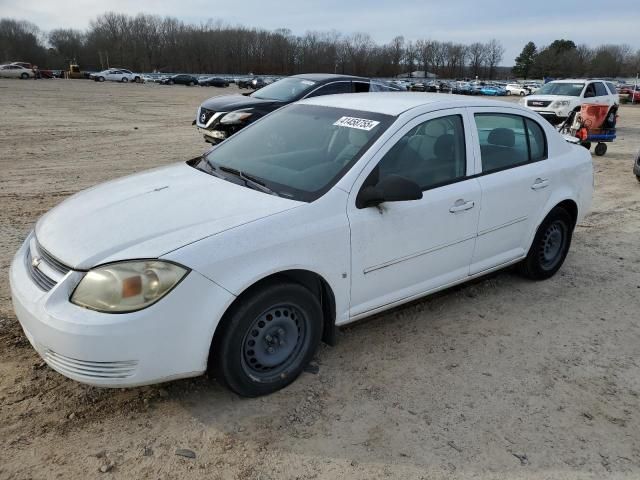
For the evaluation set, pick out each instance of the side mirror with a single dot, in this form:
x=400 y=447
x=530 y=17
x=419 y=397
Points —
x=393 y=188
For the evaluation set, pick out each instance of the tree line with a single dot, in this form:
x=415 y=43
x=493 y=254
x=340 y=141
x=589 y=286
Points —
x=563 y=58
x=151 y=43
x=147 y=43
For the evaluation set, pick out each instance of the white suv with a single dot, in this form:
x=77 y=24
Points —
x=557 y=99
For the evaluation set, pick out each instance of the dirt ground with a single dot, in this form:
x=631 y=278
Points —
x=500 y=379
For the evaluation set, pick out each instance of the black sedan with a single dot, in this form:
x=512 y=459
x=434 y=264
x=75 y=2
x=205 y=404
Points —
x=180 y=79
x=213 y=82
x=221 y=117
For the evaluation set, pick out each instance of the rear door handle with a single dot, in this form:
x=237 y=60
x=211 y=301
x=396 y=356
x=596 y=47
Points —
x=540 y=183
x=461 y=205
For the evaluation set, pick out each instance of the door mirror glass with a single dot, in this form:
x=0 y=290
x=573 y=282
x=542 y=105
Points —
x=392 y=188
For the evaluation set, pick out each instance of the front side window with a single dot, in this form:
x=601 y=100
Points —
x=590 y=91
x=509 y=141
x=612 y=88
x=601 y=91
x=430 y=154
x=300 y=151
x=332 y=89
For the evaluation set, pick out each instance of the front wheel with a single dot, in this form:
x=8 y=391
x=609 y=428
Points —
x=101 y=79
x=24 y=76
x=550 y=246
x=522 y=94
x=268 y=338
x=124 y=80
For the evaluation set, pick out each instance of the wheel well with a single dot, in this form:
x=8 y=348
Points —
x=572 y=209
x=311 y=280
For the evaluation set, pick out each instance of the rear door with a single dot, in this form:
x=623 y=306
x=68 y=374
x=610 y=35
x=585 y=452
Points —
x=515 y=183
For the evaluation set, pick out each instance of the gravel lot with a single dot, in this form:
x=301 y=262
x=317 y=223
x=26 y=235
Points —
x=500 y=379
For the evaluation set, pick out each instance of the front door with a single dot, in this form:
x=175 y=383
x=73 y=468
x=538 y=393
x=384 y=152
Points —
x=401 y=250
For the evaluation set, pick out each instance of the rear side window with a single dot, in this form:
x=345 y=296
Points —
x=612 y=88
x=360 y=87
x=509 y=141
x=600 y=90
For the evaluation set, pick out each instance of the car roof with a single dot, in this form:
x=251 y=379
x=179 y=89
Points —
x=395 y=103
x=320 y=77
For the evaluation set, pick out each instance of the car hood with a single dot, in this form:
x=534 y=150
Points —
x=149 y=214
x=229 y=103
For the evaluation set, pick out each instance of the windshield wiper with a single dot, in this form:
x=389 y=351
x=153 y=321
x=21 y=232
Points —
x=208 y=168
x=249 y=180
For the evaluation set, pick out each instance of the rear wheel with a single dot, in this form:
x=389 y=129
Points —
x=522 y=94
x=191 y=84
x=124 y=80
x=550 y=246
x=170 y=82
x=24 y=76
x=268 y=338
x=101 y=79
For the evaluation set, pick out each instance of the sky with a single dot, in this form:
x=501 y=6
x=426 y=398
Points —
x=512 y=22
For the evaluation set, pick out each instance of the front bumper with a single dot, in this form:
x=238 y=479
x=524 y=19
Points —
x=551 y=116
x=168 y=340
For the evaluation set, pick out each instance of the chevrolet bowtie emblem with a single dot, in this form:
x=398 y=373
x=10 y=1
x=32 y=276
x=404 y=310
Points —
x=35 y=262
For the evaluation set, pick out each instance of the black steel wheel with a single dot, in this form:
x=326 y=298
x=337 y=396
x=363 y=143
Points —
x=550 y=246
x=601 y=149
x=267 y=338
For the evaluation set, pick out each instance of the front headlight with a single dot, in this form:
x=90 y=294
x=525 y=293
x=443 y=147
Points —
x=235 y=117
x=127 y=286
x=561 y=103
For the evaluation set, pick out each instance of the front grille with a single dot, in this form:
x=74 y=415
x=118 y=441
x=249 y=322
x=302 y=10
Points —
x=539 y=103
x=88 y=369
x=41 y=279
x=52 y=261
x=205 y=115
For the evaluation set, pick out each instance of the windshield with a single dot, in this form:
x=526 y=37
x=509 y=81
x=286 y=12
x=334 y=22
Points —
x=300 y=151
x=566 y=89
x=285 y=90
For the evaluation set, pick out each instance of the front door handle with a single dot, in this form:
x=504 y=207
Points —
x=540 y=183
x=461 y=205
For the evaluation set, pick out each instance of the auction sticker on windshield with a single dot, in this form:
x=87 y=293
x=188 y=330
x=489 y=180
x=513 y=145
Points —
x=359 y=123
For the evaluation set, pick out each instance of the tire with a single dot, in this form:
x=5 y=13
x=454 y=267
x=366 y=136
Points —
x=137 y=80
x=522 y=94
x=191 y=84
x=509 y=92
x=550 y=246
x=252 y=354
x=24 y=75
x=101 y=79
x=170 y=82
x=600 y=149
x=638 y=177
x=124 y=80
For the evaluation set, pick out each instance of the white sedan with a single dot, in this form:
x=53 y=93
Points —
x=16 y=71
x=324 y=212
x=116 y=75
x=517 y=89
